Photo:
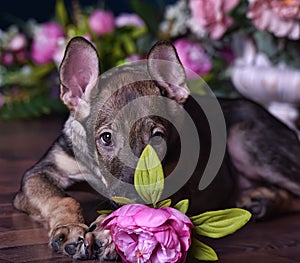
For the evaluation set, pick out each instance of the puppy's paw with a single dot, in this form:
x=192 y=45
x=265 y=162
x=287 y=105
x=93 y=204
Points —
x=263 y=202
x=102 y=247
x=82 y=242
x=66 y=239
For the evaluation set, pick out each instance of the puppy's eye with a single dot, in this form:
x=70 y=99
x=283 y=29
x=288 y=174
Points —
x=106 y=139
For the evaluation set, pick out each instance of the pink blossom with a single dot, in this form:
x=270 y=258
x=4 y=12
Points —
x=46 y=42
x=2 y=101
x=144 y=234
x=211 y=16
x=17 y=43
x=129 y=20
x=193 y=57
x=102 y=22
x=7 y=59
x=228 y=55
x=282 y=18
x=133 y=58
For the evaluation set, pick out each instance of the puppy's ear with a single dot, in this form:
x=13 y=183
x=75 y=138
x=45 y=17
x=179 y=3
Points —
x=78 y=72
x=165 y=67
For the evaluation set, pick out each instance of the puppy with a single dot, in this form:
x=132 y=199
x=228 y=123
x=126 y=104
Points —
x=113 y=116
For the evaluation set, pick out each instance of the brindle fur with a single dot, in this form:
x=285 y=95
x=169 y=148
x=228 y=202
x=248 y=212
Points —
x=260 y=170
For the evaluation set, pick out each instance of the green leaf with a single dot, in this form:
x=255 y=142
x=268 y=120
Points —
x=120 y=200
x=202 y=251
x=147 y=12
x=128 y=44
x=61 y=13
x=105 y=212
x=182 y=206
x=266 y=43
x=164 y=203
x=216 y=224
x=149 y=176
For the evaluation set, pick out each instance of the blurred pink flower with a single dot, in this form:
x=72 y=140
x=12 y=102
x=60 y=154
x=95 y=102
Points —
x=144 y=234
x=228 y=55
x=17 y=43
x=126 y=19
x=46 y=42
x=7 y=59
x=211 y=16
x=133 y=58
x=102 y=22
x=281 y=17
x=1 y=100
x=193 y=57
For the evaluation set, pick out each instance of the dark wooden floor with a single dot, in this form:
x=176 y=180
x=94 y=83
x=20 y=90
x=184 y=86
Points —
x=21 y=240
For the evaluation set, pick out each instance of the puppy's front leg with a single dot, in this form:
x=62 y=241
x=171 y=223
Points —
x=42 y=196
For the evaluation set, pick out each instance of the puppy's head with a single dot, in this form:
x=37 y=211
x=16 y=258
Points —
x=126 y=108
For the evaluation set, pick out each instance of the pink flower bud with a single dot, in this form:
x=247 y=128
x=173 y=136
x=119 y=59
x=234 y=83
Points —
x=101 y=22
x=7 y=59
x=17 y=43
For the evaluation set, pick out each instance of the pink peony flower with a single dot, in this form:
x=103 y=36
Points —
x=280 y=17
x=193 y=57
x=102 y=22
x=129 y=20
x=211 y=16
x=144 y=234
x=46 y=42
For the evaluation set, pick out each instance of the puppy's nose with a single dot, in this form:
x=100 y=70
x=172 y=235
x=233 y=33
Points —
x=71 y=248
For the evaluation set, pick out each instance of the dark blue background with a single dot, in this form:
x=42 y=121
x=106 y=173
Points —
x=43 y=10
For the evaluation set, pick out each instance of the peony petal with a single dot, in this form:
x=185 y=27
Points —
x=283 y=28
x=177 y=214
x=168 y=238
x=125 y=244
x=123 y=216
x=295 y=32
x=167 y=255
x=151 y=217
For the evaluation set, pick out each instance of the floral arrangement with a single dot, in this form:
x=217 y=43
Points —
x=157 y=232
x=236 y=46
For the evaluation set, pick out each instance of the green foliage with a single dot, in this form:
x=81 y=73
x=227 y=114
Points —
x=149 y=176
x=164 y=203
x=61 y=13
x=216 y=224
x=182 y=206
x=120 y=200
x=148 y=13
x=202 y=251
x=34 y=106
x=27 y=93
x=105 y=212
